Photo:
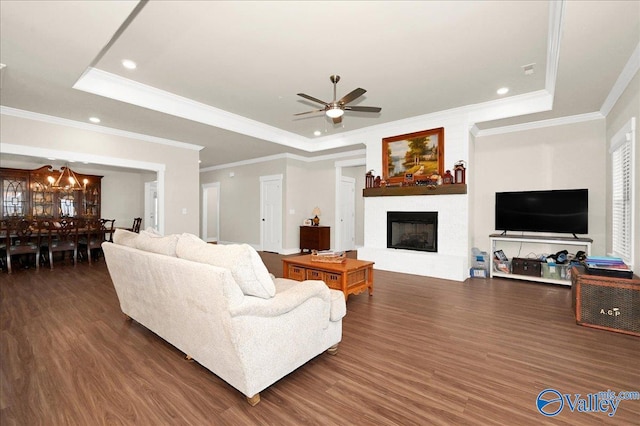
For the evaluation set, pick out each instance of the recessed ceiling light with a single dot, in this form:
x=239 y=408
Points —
x=502 y=91
x=317 y=133
x=129 y=64
x=94 y=119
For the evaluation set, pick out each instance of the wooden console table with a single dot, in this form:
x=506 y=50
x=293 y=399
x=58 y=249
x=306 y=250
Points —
x=351 y=277
x=314 y=238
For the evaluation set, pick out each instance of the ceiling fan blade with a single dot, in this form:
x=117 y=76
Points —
x=337 y=120
x=362 y=108
x=352 y=96
x=311 y=98
x=309 y=112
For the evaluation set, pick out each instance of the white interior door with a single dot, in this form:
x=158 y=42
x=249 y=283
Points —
x=211 y=212
x=151 y=205
x=271 y=213
x=347 y=217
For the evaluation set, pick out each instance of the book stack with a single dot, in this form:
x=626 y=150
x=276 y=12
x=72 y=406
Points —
x=608 y=266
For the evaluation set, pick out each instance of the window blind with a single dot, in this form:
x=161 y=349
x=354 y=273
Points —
x=622 y=172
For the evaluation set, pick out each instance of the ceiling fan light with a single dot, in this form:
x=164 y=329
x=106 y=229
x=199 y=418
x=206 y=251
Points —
x=334 y=112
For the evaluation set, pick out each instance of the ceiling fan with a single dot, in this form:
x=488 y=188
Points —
x=336 y=109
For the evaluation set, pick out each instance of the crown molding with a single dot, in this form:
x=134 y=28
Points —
x=113 y=86
x=29 y=115
x=573 y=119
x=554 y=37
x=625 y=77
x=34 y=151
x=359 y=152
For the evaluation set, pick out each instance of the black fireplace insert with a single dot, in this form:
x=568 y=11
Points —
x=412 y=231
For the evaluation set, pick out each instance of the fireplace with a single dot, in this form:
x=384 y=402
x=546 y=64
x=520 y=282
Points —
x=413 y=231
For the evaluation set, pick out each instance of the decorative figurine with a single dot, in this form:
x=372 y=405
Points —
x=459 y=172
x=447 y=178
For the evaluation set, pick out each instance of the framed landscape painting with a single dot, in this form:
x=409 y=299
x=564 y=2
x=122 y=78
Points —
x=414 y=154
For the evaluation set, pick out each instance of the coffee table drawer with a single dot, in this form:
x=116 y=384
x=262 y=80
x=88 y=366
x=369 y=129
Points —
x=312 y=274
x=297 y=273
x=333 y=280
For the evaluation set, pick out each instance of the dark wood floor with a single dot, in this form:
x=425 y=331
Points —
x=419 y=351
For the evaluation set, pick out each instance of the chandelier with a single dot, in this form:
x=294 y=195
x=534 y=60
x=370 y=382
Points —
x=67 y=180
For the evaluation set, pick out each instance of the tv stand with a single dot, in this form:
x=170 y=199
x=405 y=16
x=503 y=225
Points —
x=583 y=244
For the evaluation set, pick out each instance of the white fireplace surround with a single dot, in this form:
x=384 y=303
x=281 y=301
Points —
x=454 y=249
x=450 y=262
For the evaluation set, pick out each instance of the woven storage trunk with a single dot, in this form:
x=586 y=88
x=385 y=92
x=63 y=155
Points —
x=607 y=303
x=531 y=267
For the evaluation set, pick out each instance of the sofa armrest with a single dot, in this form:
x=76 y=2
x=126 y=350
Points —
x=283 y=301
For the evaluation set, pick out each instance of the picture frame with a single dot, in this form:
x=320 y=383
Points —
x=307 y=222
x=418 y=154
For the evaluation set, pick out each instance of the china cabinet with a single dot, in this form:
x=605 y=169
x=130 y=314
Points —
x=40 y=194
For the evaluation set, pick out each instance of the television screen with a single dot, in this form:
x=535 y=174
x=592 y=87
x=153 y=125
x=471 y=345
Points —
x=563 y=211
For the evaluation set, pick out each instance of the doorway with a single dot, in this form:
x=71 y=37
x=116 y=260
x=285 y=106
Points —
x=151 y=204
x=347 y=218
x=211 y=212
x=271 y=213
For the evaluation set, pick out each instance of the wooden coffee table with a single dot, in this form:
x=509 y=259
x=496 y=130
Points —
x=351 y=277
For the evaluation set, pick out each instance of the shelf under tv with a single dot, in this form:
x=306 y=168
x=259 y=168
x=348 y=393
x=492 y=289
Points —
x=495 y=274
x=495 y=239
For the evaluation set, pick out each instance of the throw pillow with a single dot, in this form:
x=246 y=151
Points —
x=154 y=243
x=242 y=260
x=125 y=238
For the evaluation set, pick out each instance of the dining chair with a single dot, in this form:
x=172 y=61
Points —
x=4 y=232
x=109 y=227
x=136 y=225
x=20 y=240
x=43 y=231
x=91 y=238
x=63 y=237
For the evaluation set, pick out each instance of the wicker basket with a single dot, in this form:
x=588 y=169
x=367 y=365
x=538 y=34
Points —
x=328 y=258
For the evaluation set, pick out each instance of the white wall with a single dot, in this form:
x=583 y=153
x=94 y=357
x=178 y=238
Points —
x=307 y=184
x=240 y=199
x=569 y=156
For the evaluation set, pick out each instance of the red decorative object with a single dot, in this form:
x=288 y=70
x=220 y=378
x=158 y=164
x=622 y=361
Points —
x=447 y=178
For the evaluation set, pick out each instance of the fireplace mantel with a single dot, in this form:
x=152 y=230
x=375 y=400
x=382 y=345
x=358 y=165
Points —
x=459 y=188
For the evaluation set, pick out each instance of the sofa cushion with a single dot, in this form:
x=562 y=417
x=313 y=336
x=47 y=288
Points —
x=125 y=238
x=242 y=260
x=155 y=243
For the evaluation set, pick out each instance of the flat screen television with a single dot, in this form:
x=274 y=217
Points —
x=564 y=211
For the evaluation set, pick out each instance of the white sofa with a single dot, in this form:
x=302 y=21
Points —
x=220 y=306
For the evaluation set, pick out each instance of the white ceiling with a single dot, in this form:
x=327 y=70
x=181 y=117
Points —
x=240 y=64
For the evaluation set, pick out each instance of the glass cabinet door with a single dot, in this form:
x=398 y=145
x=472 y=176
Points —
x=41 y=199
x=14 y=196
x=91 y=203
x=67 y=203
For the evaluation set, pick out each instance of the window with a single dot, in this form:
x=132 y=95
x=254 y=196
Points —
x=622 y=189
